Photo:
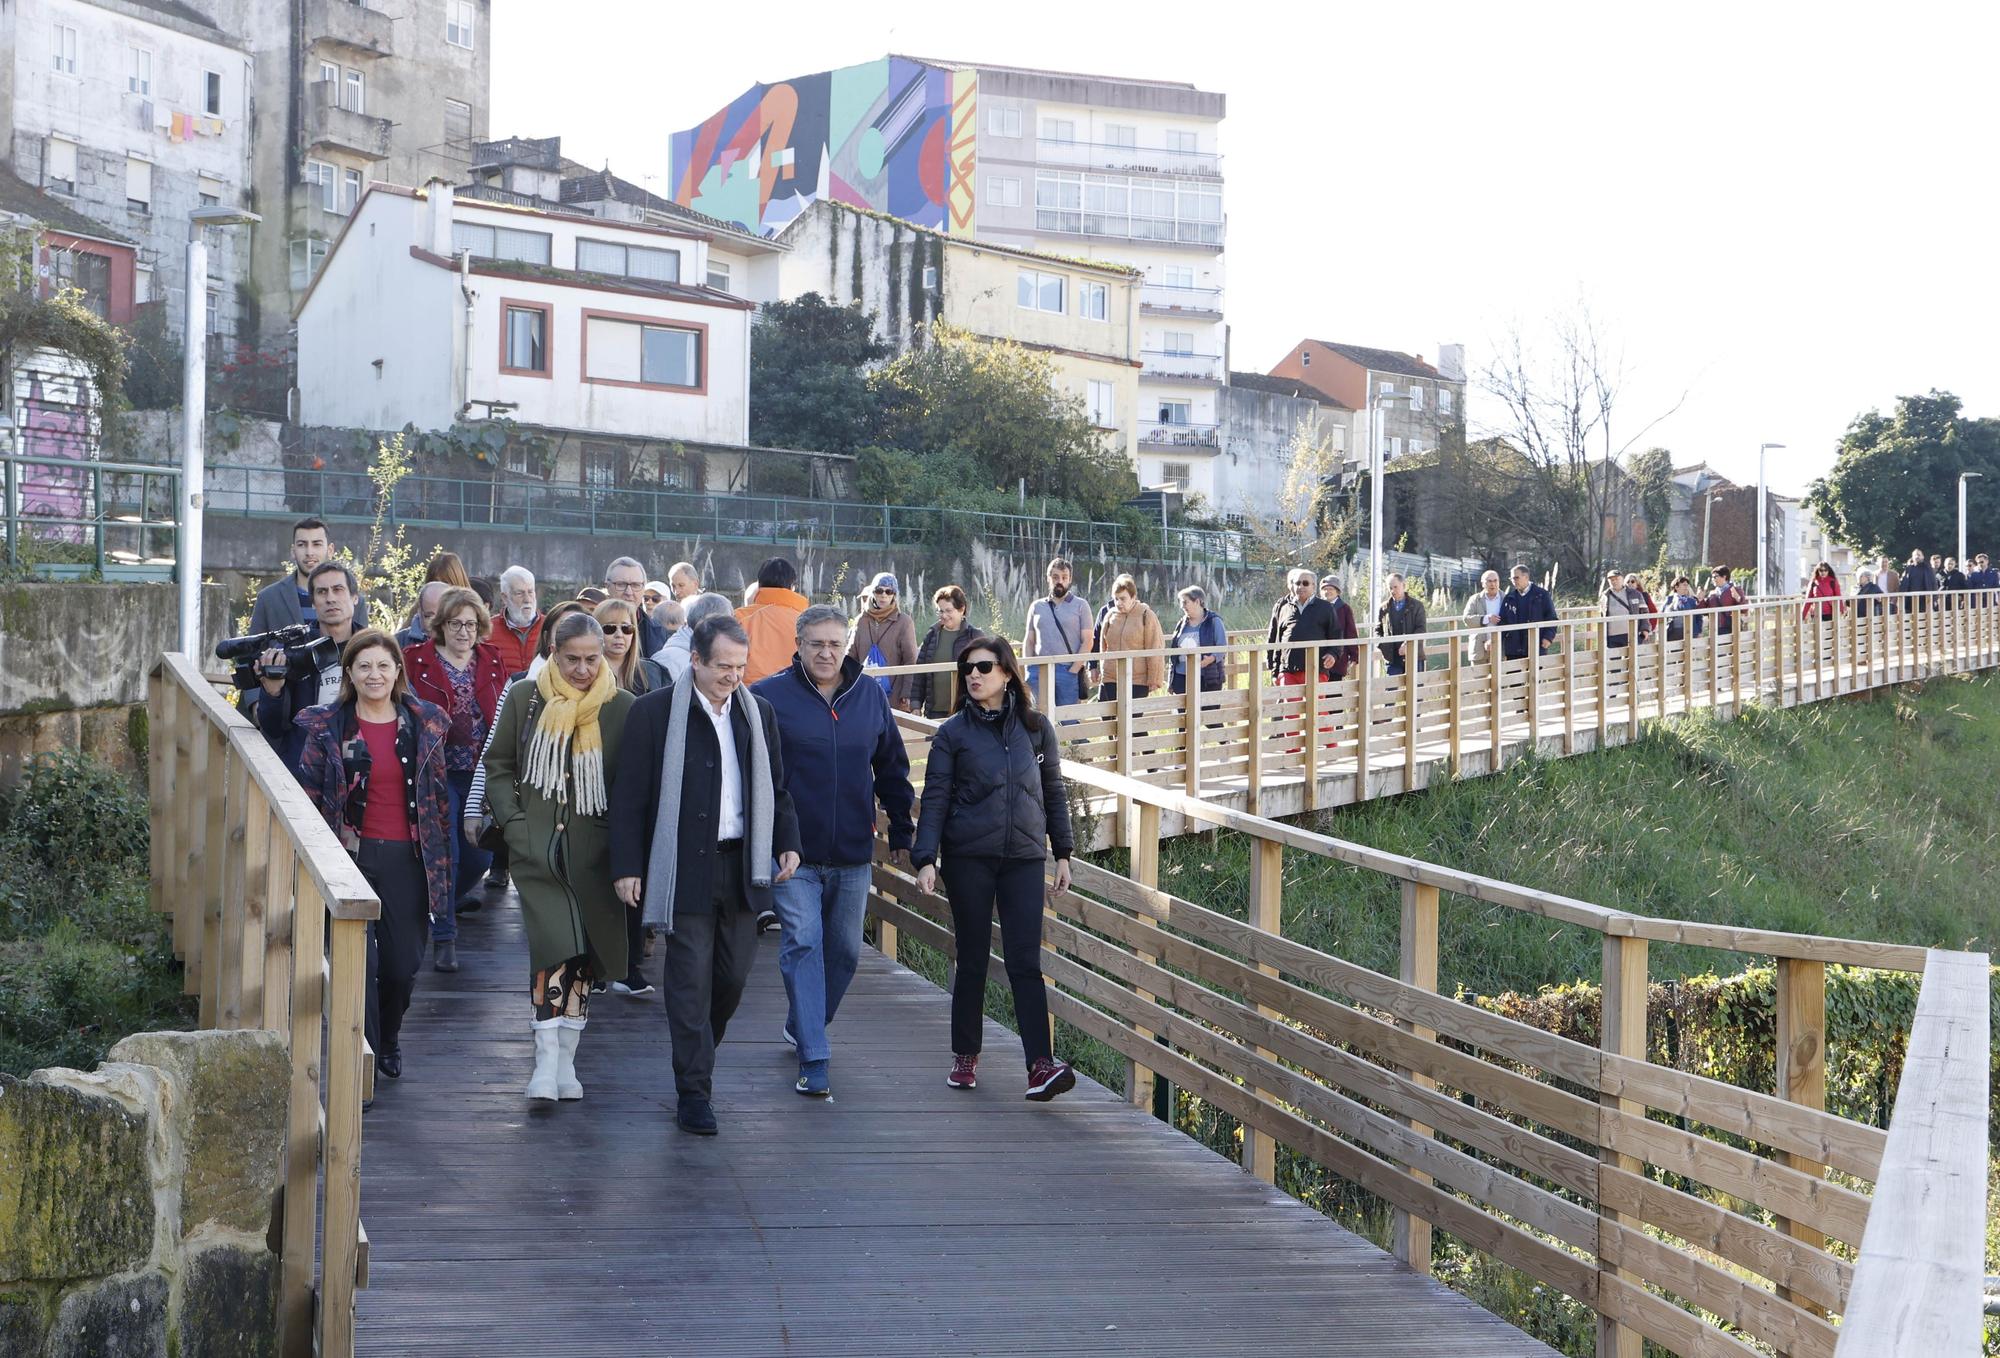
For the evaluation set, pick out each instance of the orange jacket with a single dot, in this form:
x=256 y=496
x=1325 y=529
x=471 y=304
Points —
x=772 y=622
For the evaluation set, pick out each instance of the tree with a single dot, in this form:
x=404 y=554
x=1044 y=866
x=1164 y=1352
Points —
x=59 y=321
x=809 y=366
x=995 y=405
x=1316 y=520
x=1894 y=483
x=1652 y=473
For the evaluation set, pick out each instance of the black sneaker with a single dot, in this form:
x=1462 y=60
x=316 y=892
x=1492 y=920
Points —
x=597 y=987
x=696 y=1116
x=635 y=984
x=496 y=881
x=767 y=920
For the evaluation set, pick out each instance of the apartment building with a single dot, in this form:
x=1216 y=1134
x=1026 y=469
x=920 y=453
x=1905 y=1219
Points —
x=1419 y=402
x=1082 y=314
x=131 y=114
x=1124 y=171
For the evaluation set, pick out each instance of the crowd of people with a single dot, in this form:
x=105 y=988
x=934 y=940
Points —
x=659 y=770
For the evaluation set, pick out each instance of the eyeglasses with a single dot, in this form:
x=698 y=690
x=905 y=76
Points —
x=977 y=666
x=622 y=628
x=834 y=645
x=463 y=625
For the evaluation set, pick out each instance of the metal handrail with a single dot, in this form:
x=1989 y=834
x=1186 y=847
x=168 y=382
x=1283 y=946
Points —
x=102 y=511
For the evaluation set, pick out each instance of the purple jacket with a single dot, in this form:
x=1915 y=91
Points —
x=334 y=769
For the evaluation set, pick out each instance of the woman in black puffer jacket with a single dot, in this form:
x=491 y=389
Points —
x=994 y=803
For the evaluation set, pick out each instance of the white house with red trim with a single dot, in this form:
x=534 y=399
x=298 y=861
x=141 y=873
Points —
x=434 y=309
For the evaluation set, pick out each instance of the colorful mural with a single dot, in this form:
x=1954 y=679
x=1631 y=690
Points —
x=893 y=135
x=52 y=417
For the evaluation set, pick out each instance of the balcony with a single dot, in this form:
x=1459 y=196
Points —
x=1170 y=434
x=1123 y=226
x=1162 y=298
x=1092 y=155
x=1159 y=365
x=334 y=128
x=354 y=28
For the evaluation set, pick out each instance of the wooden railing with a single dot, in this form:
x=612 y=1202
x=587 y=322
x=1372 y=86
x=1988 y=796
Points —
x=270 y=919
x=1680 y=1209
x=1280 y=749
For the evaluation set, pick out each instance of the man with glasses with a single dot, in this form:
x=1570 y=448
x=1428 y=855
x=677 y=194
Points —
x=843 y=753
x=626 y=579
x=1298 y=617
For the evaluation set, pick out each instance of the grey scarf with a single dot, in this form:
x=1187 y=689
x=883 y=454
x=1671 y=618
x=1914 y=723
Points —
x=663 y=863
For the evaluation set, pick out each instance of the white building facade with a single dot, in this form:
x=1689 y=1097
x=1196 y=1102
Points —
x=134 y=114
x=433 y=310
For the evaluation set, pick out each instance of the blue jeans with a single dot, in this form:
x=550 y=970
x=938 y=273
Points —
x=468 y=860
x=820 y=909
x=1068 y=686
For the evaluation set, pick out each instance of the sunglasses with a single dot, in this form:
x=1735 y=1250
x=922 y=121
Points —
x=978 y=666
x=622 y=627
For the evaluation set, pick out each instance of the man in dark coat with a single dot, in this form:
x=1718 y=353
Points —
x=713 y=874
x=1526 y=602
x=1921 y=579
x=1300 y=616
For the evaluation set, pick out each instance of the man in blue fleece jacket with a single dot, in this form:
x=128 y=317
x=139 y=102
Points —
x=842 y=753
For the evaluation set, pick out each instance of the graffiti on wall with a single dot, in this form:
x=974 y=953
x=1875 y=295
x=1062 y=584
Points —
x=892 y=135
x=53 y=423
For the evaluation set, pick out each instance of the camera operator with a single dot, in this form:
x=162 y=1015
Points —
x=283 y=695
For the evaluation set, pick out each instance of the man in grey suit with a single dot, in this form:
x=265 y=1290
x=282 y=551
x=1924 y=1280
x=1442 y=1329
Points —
x=286 y=601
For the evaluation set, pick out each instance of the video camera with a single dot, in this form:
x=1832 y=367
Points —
x=301 y=643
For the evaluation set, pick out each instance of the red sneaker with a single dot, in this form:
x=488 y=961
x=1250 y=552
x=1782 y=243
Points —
x=964 y=1072
x=1047 y=1078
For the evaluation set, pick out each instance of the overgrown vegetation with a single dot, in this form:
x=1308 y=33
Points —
x=83 y=959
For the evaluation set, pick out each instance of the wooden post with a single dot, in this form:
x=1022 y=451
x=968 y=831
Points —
x=1145 y=866
x=1757 y=656
x=1123 y=758
x=215 y=850
x=1735 y=660
x=276 y=893
x=1623 y=1032
x=159 y=784
x=1799 y=655
x=1048 y=688
x=342 y=1239
x=1255 y=731
x=1634 y=667
x=1496 y=666
x=1411 y=1240
x=1365 y=743
x=1456 y=699
x=1660 y=670
x=191 y=766
x=1565 y=638
x=1603 y=684
x=1533 y=660
x=1687 y=665
x=240 y=948
x=1267 y=880
x=1191 y=729
x=1413 y=679
x=295 y=1264
x=1308 y=726
x=1802 y=1073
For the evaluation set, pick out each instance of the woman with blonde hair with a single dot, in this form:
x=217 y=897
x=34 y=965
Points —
x=1127 y=625
x=635 y=673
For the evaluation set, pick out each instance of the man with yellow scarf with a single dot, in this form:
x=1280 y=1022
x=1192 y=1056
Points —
x=549 y=765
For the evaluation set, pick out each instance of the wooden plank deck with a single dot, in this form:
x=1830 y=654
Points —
x=900 y=1217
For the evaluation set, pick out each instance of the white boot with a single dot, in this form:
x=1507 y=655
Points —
x=542 y=1084
x=566 y=1082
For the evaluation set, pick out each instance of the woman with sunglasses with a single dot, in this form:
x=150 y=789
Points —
x=1825 y=585
x=994 y=808
x=462 y=674
x=634 y=673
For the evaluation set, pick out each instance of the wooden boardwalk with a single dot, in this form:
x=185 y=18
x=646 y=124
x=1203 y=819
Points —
x=901 y=1217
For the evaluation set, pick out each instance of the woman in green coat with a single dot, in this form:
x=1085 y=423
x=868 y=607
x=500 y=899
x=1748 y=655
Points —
x=552 y=757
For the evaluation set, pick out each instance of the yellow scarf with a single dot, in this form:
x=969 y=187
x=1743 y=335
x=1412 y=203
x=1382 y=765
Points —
x=567 y=737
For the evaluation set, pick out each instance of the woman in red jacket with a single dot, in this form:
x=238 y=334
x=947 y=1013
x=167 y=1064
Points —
x=1825 y=585
x=463 y=674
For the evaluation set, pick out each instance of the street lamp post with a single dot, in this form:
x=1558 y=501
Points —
x=194 y=413
x=1375 y=400
x=1763 y=526
x=1963 y=477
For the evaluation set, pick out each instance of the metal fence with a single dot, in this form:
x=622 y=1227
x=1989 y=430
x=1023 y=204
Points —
x=67 y=517
x=537 y=507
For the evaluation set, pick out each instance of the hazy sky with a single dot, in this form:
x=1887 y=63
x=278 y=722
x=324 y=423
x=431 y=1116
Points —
x=1786 y=211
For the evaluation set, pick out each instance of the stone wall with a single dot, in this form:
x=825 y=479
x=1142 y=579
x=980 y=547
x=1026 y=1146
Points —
x=137 y=1200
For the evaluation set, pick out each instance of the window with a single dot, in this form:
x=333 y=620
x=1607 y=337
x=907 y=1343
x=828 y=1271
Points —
x=1180 y=473
x=89 y=274
x=1175 y=412
x=139 y=75
x=1117 y=134
x=308 y=253
x=634 y=351
x=1444 y=400
x=353 y=97
x=1004 y=122
x=1395 y=447
x=1385 y=388
x=1180 y=141
x=1129 y=207
x=458 y=22
x=211 y=100
x=329 y=76
x=1039 y=291
x=628 y=261
x=59 y=166
x=718 y=274
x=216 y=325
x=65 y=49
x=457 y=122
x=142 y=285
x=1059 y=129
x=1416 y=397
x=1103 y=400
x=350 y=190
x=524 y=338
x=209 y=189
x=500 y=242
x=1305 y=358
x=1178 y=275
x=1177 y=342
x=930 y=277
x=1093 y=301
x=322 y=180
x=603 y=466
x=1004 y=190
x=138 y=184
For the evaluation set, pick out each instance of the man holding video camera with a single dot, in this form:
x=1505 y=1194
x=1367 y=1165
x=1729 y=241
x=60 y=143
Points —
x=286 y=690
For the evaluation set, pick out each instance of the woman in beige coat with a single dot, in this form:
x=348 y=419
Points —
x=1129 y=625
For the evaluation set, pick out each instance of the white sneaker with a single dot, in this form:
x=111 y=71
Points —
x=548 y=1049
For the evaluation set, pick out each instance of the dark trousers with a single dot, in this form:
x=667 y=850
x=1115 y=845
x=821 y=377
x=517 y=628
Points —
x=396 y=940
x=976 y=887
x=635 y=943
x=1108 y=693
x=708 y=959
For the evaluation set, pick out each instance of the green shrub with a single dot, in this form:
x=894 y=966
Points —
x=66 y=999
x=76 y=820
